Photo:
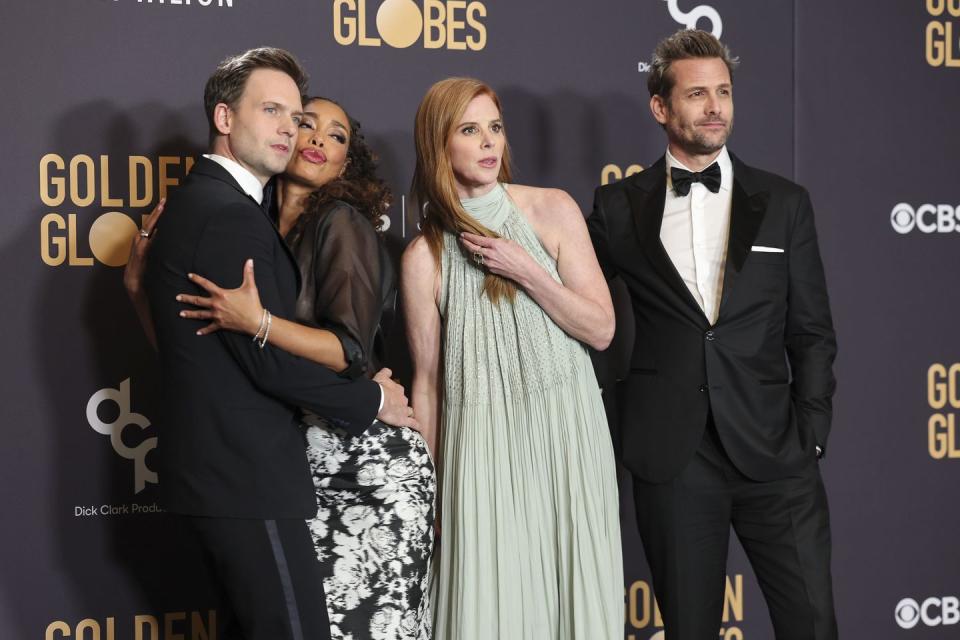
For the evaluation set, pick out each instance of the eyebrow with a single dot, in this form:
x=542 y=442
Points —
x=280 y=105
x=495 y=120
x=336 y=123
x=725 y=85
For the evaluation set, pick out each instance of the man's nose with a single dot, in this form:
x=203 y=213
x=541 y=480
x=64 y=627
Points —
x=713 y=104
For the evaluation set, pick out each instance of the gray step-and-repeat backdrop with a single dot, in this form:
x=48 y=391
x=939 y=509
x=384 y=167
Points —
x=101 y=110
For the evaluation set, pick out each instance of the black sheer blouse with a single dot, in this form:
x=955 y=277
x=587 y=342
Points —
x=347 y=281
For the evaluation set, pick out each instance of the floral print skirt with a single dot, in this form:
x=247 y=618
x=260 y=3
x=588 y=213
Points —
x=374 y=530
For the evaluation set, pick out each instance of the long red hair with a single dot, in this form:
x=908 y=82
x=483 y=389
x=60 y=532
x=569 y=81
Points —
x=434 y=183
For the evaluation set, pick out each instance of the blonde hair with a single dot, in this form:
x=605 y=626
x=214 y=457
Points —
x=434 y=183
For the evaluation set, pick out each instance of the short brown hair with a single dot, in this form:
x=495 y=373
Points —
x=227 y=83
x=684 y=45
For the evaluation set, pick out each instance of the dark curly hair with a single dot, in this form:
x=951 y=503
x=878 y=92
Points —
x=359 y=186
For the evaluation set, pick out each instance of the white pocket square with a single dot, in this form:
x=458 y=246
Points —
x=765 y=249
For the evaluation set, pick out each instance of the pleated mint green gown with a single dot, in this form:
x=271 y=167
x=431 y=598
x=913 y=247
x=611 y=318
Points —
x=530 y=534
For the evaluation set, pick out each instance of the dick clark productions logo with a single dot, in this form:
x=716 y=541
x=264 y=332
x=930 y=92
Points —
x=691 y=20
x=126 y=418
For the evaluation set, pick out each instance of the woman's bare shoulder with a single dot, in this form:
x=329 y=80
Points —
x=418 y=258
x=543 y=201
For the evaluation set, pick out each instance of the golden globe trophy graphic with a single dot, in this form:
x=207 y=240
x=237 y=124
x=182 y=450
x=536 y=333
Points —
x=110 y=238
x=399 y=23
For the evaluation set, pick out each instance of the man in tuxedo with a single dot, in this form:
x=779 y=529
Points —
x=232 y=459
x=727 y=405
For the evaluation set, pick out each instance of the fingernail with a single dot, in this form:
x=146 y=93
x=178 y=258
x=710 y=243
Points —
x=179 y=297
x=183 y=314
x=190 y=275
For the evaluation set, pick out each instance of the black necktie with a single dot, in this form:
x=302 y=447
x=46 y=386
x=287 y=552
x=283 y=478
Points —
x=682 y=179
x=267 y=202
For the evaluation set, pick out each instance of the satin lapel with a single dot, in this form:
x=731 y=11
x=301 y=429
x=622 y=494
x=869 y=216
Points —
x=746 y=214
x=213 y=170
x=647 y=198
x=272 y=212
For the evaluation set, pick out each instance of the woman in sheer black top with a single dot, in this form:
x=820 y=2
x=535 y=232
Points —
x=374 y=526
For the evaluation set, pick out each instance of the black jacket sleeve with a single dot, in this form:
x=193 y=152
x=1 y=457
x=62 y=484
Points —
x=810 y=339
x=597 y=226
x=227 y=241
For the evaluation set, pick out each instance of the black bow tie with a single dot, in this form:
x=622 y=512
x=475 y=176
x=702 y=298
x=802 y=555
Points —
x=682 y=179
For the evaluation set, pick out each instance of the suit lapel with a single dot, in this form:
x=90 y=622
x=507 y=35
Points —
x=746 y=214
x=647 y=195
x=211 y=169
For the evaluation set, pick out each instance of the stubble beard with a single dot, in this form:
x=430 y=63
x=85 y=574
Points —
x=698 y=143
x=269 y=165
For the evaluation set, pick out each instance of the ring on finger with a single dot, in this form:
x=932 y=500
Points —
x=478 y=258
x=144 y=233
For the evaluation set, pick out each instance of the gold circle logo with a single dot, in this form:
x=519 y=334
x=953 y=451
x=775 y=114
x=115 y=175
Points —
x=110 y=238
x=399 y=22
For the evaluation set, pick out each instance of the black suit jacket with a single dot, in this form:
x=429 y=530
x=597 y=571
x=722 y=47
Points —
x=764 y=369
x=229 y=443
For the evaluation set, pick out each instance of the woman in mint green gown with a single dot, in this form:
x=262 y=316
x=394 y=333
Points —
x=501 y=292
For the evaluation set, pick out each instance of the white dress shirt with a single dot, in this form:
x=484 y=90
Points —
x=695 y=231
x=247 y=181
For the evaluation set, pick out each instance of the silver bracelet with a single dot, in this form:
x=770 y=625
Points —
x=266 y=334
x=263 y=323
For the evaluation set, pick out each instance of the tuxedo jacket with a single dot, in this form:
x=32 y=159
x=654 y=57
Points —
x=229 y=442
x=764 y=369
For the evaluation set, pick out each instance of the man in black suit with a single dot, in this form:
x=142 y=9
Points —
x=232 y=458
x=727 y=405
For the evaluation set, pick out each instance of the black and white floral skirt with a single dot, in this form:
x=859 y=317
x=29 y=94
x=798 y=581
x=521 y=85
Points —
x=374 y=530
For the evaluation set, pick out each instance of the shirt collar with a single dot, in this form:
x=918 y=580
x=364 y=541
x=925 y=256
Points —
x=722 y=159
x=247 y=181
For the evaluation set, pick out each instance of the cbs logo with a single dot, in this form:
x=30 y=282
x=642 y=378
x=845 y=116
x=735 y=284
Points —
x=933 y=612
x=927 y=218
x=451 y=24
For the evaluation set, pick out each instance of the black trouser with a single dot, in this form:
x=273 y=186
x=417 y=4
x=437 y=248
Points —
x=783 y=526
x=268 y=576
